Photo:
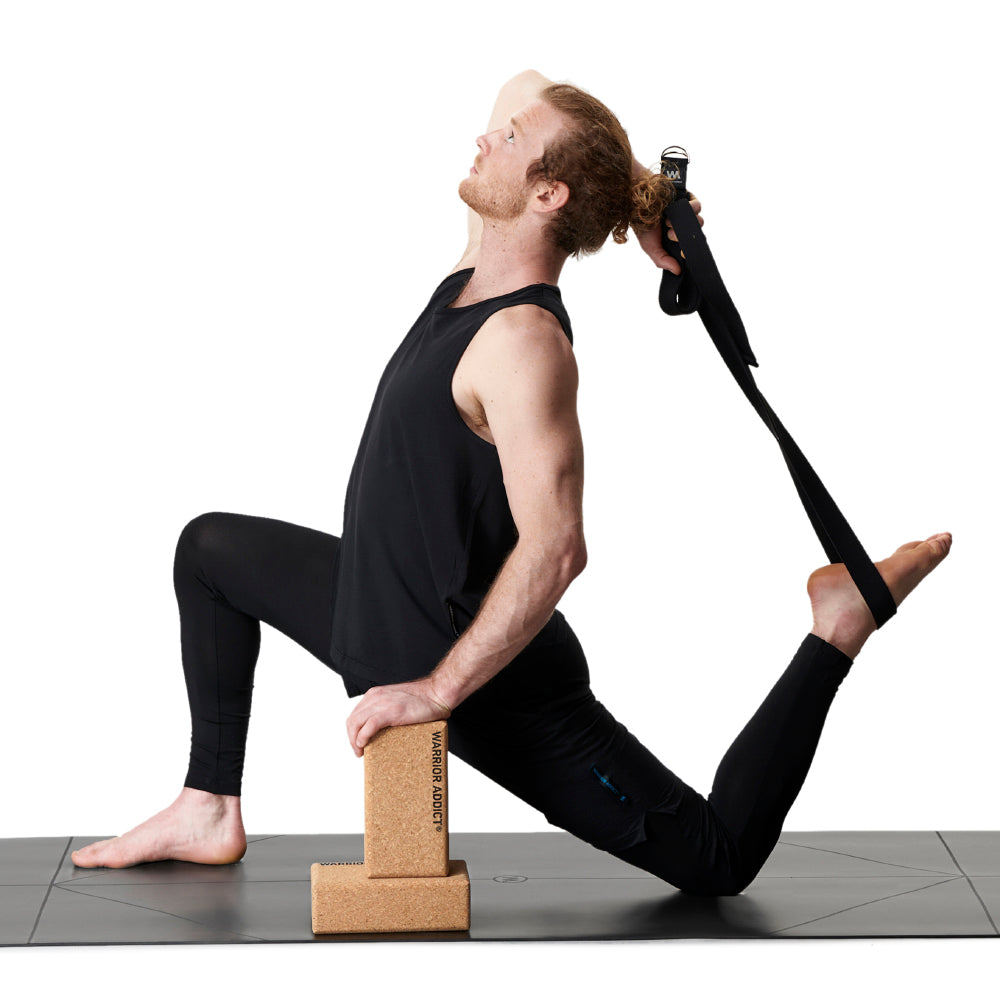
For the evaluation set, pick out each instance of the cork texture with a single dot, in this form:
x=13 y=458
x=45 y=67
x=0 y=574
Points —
x=406 y=802
x=346 y=901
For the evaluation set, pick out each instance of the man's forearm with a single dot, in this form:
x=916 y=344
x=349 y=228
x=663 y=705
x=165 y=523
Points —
x=520 y=602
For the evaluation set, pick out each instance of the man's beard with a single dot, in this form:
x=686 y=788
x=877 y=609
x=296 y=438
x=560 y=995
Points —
x=490 y=201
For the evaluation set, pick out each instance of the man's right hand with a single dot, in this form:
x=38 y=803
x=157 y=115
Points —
x=652 y=244
x=403 y=704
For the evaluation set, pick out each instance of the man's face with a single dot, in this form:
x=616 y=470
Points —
x=496 y=187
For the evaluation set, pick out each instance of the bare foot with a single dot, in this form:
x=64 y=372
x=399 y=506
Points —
x=198 y=826
x=840 y=615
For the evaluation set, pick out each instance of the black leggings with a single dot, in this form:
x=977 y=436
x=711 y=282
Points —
x=536 y=728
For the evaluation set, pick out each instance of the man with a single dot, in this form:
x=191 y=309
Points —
x=463 y=527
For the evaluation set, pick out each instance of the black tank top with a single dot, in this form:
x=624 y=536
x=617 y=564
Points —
x=427 y=525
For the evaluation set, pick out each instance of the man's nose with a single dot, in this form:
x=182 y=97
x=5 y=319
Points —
x=482 y=143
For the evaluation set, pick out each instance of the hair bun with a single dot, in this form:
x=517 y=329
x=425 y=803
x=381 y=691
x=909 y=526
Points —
x=651 y=193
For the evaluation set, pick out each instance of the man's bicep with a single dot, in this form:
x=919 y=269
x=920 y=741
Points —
x=529 y=401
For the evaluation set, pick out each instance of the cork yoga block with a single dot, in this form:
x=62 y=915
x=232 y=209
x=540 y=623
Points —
x=406 y=802
x=346 y=901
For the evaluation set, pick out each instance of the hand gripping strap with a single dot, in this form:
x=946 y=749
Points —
x=700 y=287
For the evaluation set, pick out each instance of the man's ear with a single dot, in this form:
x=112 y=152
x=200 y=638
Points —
x=550 y=196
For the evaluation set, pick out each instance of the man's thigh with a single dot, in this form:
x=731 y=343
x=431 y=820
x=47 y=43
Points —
x=538 y=730
x=270 y=570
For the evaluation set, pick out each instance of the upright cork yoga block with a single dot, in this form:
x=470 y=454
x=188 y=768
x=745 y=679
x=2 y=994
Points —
x=406 y=802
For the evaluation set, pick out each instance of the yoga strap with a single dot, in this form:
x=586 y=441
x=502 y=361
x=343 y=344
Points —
x=699 y=287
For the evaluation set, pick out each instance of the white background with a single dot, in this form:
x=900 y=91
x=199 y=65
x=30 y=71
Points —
x=219 y=219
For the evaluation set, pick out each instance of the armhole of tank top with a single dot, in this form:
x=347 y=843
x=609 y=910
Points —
x=567 y=327
x=447 y=291
x=559 y=313
x=553 y=303
x=464 y=428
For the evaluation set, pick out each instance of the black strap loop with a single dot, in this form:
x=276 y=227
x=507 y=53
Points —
x=700 y=287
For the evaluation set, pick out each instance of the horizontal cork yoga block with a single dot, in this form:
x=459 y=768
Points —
x=346 y=901
x=406 y=802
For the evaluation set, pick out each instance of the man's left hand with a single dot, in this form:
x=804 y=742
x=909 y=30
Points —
x=652 y=243
x=393 y=705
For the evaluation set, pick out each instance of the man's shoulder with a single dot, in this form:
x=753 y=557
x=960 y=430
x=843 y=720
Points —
x=522 y=349
x=526 y=326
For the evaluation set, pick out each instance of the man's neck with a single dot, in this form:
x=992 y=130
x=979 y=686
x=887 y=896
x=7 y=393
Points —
x=509 y=260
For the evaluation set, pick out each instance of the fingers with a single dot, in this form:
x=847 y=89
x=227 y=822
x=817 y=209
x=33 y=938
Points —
x=392 y=705
x=353 y=728
x=363 y=723
x=360 y=732
x=696 y=208
x=664 y=261
x=365 y=734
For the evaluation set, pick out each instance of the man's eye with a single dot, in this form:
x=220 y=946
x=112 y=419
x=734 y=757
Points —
x=510 y=138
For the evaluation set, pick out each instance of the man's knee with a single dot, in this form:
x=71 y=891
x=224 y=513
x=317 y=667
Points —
x=203 y=535
x=727 y=878
x=715 y=884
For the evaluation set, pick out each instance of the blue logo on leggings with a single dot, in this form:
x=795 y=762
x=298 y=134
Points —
x=604 y=780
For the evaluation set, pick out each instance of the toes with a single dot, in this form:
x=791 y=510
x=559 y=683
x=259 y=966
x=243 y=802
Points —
x=940 y=544
x=89 y=856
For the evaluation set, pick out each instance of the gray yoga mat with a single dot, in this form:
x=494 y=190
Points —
x=525 y=887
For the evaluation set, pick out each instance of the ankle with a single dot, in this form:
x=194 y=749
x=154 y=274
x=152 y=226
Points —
x=848 y=636
x=225 y=806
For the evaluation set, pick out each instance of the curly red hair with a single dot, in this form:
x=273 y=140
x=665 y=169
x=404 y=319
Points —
x=593 y=157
